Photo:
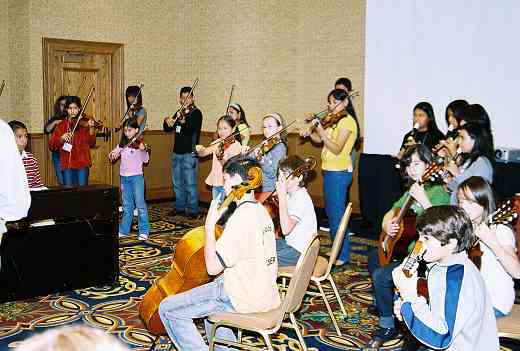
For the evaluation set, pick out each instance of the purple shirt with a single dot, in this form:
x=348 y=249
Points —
x=131 y=161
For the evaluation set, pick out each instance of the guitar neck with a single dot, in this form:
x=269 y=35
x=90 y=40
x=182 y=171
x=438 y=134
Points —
x=406 y=206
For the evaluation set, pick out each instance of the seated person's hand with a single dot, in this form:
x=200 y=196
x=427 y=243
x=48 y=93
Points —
x=407 y=286
x=397 y=309
x=392 y=227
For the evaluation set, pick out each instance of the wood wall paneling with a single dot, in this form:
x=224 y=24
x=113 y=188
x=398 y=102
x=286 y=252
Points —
x=158 y=172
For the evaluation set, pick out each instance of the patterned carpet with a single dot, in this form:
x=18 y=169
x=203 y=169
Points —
x=114 y=308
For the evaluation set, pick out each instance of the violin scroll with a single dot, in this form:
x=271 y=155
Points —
x=254 y=181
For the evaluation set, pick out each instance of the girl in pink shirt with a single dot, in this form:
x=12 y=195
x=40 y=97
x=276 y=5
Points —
x=222 y=151
x=133 y=154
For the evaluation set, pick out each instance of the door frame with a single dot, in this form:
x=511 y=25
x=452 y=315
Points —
x=115 y=50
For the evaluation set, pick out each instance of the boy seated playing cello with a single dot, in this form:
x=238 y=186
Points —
x=245 y=252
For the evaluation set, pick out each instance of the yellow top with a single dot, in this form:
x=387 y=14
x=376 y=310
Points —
x=245 y=133
x=342 y=161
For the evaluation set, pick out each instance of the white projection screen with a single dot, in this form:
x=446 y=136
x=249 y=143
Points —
x=439 y=51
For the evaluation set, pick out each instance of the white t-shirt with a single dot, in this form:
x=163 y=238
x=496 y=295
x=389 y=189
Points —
x=247 y=249
x=300 y=207
x=499 y=283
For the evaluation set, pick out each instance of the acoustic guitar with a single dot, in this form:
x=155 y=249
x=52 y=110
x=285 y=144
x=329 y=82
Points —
x=390 y=246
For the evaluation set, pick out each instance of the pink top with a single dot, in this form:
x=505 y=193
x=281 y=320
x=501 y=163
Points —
x=215 y=176
x=131 y=161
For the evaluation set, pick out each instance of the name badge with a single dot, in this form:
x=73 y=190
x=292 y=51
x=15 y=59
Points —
x=178 y=129
x=67 y=147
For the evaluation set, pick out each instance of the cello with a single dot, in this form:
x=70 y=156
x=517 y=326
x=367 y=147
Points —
x=188 y=268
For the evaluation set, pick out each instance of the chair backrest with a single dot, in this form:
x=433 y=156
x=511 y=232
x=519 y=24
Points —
x=300 y=278
x=338 y=240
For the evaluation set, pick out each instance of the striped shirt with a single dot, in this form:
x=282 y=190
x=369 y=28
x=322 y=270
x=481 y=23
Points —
x=32 y=170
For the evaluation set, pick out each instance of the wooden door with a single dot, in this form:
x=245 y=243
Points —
x=74 y=68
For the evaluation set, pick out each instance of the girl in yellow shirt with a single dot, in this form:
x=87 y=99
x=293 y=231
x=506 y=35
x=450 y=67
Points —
x=338 y=141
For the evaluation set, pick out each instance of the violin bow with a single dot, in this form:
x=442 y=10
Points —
x=125 y=116
x=183 y=105
x=78 y=117
x=229 y=100
x=271 y=137
x=2 y=87
x=218 y=141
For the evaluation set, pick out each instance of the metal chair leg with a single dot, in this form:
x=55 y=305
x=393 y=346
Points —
x=336 y=292
x=298 y=332
x=331 y=314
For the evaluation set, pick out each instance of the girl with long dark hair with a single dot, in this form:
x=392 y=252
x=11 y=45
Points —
x=58 y=115
x=338 y=141
x=74 y=145
x=425 y=130
x=239 y=116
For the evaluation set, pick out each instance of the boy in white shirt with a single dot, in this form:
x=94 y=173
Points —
x=297 y=216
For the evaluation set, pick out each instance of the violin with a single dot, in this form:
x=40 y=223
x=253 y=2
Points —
x=136 y=141
x=188 y=268
x=184 y=110
x=267 y=144
x=84 y=122
x=327 y=120
x=222 y=146
x=271 y=203
x=134 y=106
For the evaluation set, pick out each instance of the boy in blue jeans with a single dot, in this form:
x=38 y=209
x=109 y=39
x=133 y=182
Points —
x=459 y=314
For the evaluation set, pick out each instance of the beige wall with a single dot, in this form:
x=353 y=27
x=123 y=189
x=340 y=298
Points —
x=282 y=55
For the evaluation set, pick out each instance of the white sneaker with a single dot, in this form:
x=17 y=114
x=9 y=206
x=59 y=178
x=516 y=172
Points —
x=142 y=237
x=121 y=235
x=325 y=229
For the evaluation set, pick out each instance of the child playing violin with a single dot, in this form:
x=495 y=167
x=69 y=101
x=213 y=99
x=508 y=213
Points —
x=239 y=116
x=74 y=144
x=134 y=102
x=297 y=217
x=227 y=146
x=270 y=152
x=30 y=162
x=133 y=154
x=338 y=140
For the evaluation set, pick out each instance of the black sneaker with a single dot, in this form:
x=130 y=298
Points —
x=372 y=309
x=382 y=335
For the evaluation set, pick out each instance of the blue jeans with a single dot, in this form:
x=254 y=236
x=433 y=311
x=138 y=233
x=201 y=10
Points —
x=287 y=255
x=217 y=191
x=178 y=311
x=335 y=194
x=185 y=168
x=75 y=177
x=383 y=288
x=57 y=166
x=132 y=188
